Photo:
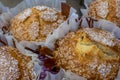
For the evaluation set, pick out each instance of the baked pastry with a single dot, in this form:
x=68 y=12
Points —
x=34 y=24
x=105 y=9
x=14 y=65
x=90 y=52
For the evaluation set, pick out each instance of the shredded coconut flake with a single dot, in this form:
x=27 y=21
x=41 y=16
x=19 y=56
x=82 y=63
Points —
x=102 y=9
x=25 y=14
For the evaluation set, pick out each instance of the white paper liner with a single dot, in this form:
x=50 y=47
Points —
x=7 y=39
x=65 y=28
x=6 y=17
x=62 y=75
x=3 y=8
x=49 y=41
x=73 y=25
x=69 y=25
x=57 y=76
x=71 y=76
x=60 y=33
x=4 y=21
x=9 y=13
x=101 y=23
x=85 y=10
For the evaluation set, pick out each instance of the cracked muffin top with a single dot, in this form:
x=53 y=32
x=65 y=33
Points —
x=34 y=24
x=91 y=53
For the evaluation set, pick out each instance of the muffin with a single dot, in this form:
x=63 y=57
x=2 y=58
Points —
x=34 y=24
x=105 y=9
x=14 y=65
x=91 y=53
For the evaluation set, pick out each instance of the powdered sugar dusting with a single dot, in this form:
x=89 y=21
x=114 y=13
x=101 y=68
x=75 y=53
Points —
x=102 y=9
x=118 y=8
x=49 y=15
x=49 y=28
x=26 y=13
x=40 y=8
x=101 y=36
x=34 y=30
x=104 y=70
x=8 y=66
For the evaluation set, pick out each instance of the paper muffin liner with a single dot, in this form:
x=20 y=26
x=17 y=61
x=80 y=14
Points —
x=85 y=10
x=84 y=22
x=71 y=24
x=6 y=39
x=11 y=12
x=3 y=8
x=81 y=22
x=100 y=23
x=9 y=40
x=65 y=28
x=49 y=43
x=7 y=16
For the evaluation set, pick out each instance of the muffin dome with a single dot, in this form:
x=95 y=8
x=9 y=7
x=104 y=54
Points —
x=14 y=65
x=105 y=9
x=34 y=24
x=89 y=53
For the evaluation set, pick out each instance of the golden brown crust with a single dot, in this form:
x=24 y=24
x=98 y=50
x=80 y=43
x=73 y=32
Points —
x=14 y=65
x=103 y=37
x=84 y=56
x=105 y=9
x=34 y=24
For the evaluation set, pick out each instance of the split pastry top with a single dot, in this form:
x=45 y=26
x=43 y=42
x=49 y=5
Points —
x=34 y=24
x=91 y=53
